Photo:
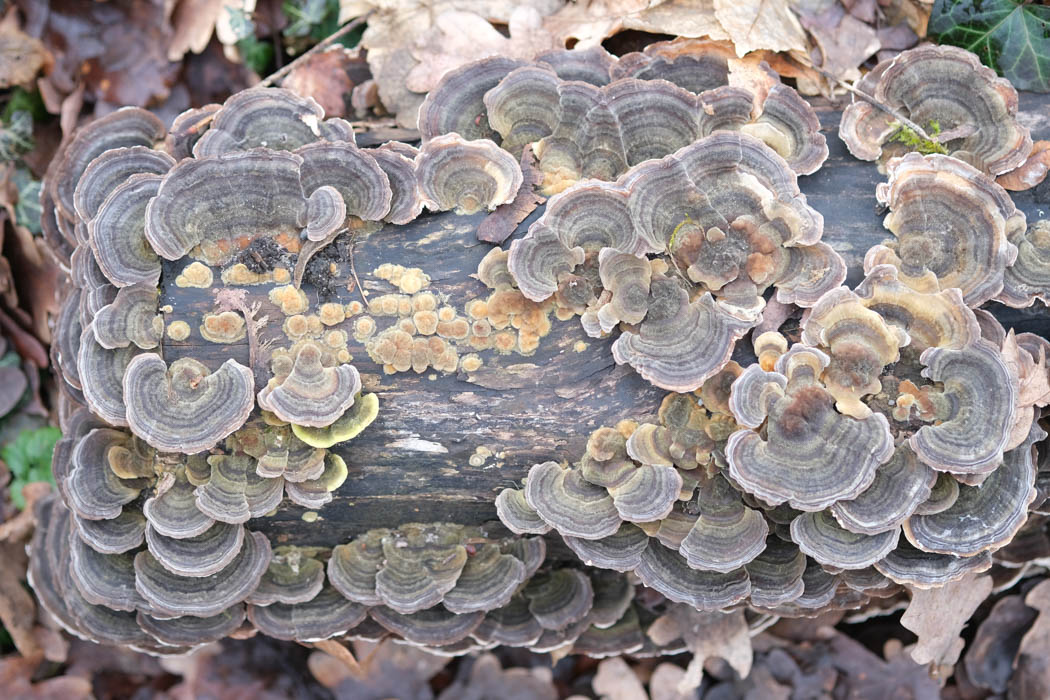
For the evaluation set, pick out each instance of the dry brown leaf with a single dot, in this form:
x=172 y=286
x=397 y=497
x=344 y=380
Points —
x=663 y=684
x=459 y=37
x=17 y=610
x=1029 y=173
x=193 y=22
x=16 y=679
x=938 y=615
x=616 y=681
x=326 y=77
x=1032 y=673
x=708 y=635
x=844 y=42
x=327 y=673
x=21 y=56
x=500 y=224
x=688 y=18
x=760 y=24
x=394 y=26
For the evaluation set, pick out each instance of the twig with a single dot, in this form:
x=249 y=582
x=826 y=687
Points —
x=353 y=269
x=866 y=97
x=320 y=46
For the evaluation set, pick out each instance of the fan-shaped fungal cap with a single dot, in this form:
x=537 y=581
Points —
x=346 y=427
x=788 y=125
x=269 y=117
x=900 y=485
x=203 y=597
x=118 y=237
x=468 y=176
x=511 y=625
x=314 y=493
x=115 y=536
x=487 y=581
x=953 y=227
x=166 y=405
x=95 y=492
x=620 y=551
x=811 y=456
x=455 y=104
x=101 y=372
x=225 y=202
x=421 y=564
x=200 y=555
x=821 y=537
x=434 y=626
x=192 y=631
x=559 y=598
x=311 y=395
x=979 y=396
x=938 y=319
x=400 y=168
x=908 y=565
x=352 y=173
x=111 y=169
x=130 y=318
x=697 y=65
x=680 y=343
x=325 y=213
x=728 y=534
x=663 y=570
x=173 y=512
x=224 y=496
x=569 y=503
x=516 y=513
x=103 y=579
x=858 y=341
x=776 y=574
x=123 y=128
x=326 y=615
x=1028 y=278
x=946 y=90
x=984 y=517
x=352 y=567
x=292 y=577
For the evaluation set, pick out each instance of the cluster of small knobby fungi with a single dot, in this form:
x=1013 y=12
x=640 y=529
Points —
x=901 y=407
x=677 y=222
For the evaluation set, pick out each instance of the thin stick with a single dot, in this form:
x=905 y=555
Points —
x=353 y=269
x=867 y=98
x=321 y=46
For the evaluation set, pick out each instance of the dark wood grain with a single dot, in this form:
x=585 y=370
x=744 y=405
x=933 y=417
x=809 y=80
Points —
x=412 y=464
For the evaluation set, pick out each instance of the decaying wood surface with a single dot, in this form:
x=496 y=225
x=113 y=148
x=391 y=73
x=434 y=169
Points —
x=413 y=463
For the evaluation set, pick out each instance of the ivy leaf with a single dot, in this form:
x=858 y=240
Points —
x=1011 y=37
x=27 y=209
x=28 y=457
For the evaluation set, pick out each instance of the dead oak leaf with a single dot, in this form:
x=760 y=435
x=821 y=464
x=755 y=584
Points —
x=938 y=615
x=21 y=56
x=459 y=37
x=760 y=24
x=708 y=635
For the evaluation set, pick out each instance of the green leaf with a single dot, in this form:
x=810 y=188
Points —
x=27 y=208
x=21 y=100
x=28 y=457
x=16 y=135
x=255 y=54
x=1011 y=37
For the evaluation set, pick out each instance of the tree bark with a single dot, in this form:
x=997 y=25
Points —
x=413 y=464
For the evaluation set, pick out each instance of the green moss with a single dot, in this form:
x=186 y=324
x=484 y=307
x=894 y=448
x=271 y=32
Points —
x=914 y=142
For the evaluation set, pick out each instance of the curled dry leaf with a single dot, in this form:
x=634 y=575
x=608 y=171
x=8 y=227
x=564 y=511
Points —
x=938 y=615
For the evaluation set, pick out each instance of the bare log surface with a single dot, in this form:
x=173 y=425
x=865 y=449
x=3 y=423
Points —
x=413 y=463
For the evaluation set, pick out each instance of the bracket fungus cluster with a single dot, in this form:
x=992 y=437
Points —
x=244 y=307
